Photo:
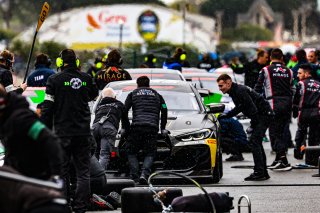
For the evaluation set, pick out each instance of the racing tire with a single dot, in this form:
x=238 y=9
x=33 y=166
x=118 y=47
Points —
x=117 y=185
x=141 y=199
x=217 y=171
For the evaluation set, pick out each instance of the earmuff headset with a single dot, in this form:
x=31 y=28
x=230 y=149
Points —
x=100 y=63
x=60 y=62
x=154 y=59
x=183 y=56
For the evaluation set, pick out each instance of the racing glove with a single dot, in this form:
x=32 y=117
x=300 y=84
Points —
x=165 y=132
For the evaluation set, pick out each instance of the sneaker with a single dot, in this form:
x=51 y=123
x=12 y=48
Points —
x=257 y=177
x=235 y=158
x=113 y=198
x=283 y=167
x=274 y=164
x=143 y=180
x=97 y=203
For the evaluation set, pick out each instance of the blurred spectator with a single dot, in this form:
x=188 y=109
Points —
x=312 y=58
x=177 y=61
x=208 y=63
x=149 y=61
x=302 y=59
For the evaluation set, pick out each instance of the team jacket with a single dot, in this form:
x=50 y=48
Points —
x=39 y=76
x=146 y=106
x=247 y=101
x=112 y=110
x=30 y=147
x=66 y=103
x=276 y=83
x=7 y=81
x=110 y=74
x=307 y=98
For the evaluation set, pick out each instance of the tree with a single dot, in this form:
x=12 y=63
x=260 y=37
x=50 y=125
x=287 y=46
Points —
x=247 y=32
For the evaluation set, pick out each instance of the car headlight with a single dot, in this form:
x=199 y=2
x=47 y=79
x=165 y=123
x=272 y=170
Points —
x=195 y=136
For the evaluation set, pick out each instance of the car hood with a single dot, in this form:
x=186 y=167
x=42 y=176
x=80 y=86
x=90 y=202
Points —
x=180 y=122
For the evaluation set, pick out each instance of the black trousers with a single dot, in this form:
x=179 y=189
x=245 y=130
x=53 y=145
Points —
x=259 y=127
x=277 y=133
x=313 y=123
x=141 y=138
x=77 y=148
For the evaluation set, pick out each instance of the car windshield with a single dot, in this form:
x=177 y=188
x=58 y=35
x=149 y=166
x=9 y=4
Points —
x=168 y=76
x=176 y=101
x=206 y=83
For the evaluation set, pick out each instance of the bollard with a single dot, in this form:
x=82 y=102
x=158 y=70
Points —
x=248 y=203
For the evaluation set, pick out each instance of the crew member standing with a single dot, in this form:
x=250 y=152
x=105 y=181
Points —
x=113 y=70
x=255 y=107
x=6 y=69
x=40 y=75
x=146 y=106
x=66 y=104
x=276 y=83
x=306 y=106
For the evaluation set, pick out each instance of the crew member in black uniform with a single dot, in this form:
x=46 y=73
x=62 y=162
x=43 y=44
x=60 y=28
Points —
x=6 y=63
x=255 y=107
x=99 y=64
x=66 y=109
x=150 y=61
x=251 y=69
x=39 y=77
x=276 y=83
x=106 y=124
x=146 y=106
x=113 y=70
x=30 y=147
x=306 y=106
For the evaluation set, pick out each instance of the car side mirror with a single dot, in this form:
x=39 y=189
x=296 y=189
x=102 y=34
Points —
x=216 y=108
x=204 y=92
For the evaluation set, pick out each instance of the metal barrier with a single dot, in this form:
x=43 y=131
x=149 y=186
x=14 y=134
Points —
x=248 y=203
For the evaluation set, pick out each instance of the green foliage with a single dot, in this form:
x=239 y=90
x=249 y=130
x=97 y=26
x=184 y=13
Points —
x=52 y=48
x=247 y=32
x=7 y=34
x=22 y=49
x=224 y=46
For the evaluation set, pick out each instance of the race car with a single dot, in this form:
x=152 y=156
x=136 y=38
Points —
x=192 y=148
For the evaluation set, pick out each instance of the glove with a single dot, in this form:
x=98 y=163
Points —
x=165 y=132
x=56 y=179
x=222 y=116
x=295 y=112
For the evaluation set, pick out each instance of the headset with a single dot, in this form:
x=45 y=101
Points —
x=183 y=56
x=60 y=62
x=154 y=59
x=99 y=64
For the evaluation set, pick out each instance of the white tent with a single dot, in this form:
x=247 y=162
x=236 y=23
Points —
x=99 y=26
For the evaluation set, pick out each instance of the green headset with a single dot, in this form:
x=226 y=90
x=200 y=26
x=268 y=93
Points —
x=100 y=63
x=154 y=59
x=183 y=56
x=60 y=62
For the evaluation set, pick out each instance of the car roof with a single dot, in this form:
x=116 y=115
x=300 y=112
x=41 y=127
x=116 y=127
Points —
x=170 y=85
x=153 y=70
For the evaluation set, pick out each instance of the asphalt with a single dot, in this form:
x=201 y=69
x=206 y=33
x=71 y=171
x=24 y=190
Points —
x=291 y=191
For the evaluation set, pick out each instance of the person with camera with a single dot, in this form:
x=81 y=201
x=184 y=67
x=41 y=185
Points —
x=113 y=70
x=39 y=77
x=146 y=104
x=306 y=108
x=108 y=114
x=6 y=70
x=66 y=109
x=258 y=110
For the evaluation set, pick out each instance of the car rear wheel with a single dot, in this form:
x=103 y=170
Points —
x=217 y=171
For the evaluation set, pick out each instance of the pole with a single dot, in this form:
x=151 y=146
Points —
x=120 y=37
x=183 y=25
x=29 y=58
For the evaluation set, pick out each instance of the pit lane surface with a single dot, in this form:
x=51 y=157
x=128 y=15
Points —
x=278 y=194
